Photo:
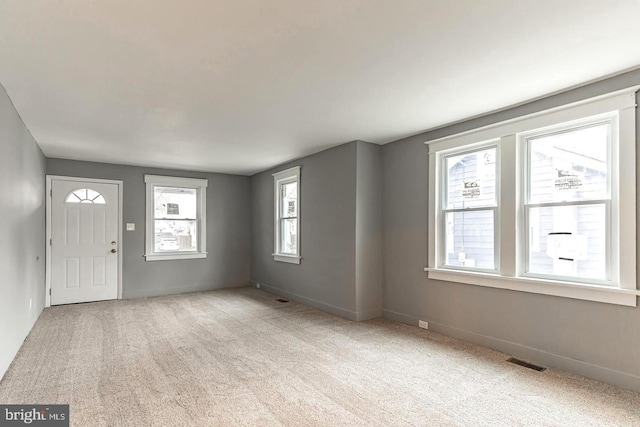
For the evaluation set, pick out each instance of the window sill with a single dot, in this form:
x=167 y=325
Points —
x=174 y=255
x=626 y=297
x=291 y=259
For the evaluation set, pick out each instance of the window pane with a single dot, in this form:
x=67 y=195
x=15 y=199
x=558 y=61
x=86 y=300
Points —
x=470 y=239
x=568 y=241
x=569 y=166
x=172 y=202
x=85 y=195
x=175 y=235
x=289 y=205
x=471 y=179
x=92 y=194
x=288 y=236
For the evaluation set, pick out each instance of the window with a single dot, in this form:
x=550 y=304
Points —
x=85 y=195
x=567 y=206
x=176 y=218
x=470 y=209
x=286 y=190
x=536 y=204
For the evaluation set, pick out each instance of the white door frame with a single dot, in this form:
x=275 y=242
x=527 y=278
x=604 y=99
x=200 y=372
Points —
x=50 y=178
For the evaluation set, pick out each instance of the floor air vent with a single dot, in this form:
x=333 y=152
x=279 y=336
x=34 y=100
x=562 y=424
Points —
x=525 y=364
x=282 y=300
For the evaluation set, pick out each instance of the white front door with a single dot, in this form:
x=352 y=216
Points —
x=84 y=241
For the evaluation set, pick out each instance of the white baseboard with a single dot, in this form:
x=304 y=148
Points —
x=544 y=358
x=530 y=354
x=157 y=292
x=368 y=314
x=332 y=309
x=400 y=317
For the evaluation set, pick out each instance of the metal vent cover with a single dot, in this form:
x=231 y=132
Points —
x=525 y=364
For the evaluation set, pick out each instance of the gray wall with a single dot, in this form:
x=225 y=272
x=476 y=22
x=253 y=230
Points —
x=598 y=340
x=368 y=285
x=325 y=278
x=228 y=231
x=341 y=232
x=22 y=250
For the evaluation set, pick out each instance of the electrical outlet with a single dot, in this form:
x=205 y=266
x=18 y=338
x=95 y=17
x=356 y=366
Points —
x=258 y=285
x=423 y=324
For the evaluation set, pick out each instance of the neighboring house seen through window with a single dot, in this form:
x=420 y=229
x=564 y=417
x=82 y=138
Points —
x=176 y=218
x=567 y=207
x=543 y=203
x=470 y=209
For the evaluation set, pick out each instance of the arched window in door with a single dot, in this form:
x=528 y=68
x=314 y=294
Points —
x=85 y=195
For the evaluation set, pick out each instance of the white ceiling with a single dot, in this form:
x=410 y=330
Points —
x=238 y=86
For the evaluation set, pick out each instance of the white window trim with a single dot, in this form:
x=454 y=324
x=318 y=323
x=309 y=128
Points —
x=511 y=188
x=169 y=181
x=279 y=178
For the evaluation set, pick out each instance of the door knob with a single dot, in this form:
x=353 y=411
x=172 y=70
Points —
x=113 y=251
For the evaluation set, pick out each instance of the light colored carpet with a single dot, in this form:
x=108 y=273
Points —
x=239 y=357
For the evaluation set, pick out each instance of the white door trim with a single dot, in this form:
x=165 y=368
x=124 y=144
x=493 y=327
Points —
x=50 y=178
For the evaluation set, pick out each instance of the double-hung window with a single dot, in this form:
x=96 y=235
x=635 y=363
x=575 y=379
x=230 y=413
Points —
x=470 y=209
x=567 y=202
x=176 y=218
x=286 y=190
x=543 y=203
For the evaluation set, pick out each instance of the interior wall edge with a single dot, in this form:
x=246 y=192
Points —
x=364 y=315
x=328 y=308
